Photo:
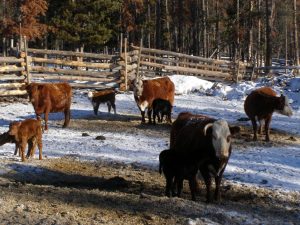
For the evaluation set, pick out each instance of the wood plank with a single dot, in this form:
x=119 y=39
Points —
x=73 y=63
x=12 y=92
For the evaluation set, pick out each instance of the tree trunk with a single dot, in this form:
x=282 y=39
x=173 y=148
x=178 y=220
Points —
x=268 y=60
x=296 y=36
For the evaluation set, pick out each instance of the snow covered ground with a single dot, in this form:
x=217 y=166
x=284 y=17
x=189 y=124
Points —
x=271 y=167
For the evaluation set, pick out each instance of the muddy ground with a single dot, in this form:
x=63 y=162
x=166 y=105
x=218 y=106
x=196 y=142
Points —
x=69 y=191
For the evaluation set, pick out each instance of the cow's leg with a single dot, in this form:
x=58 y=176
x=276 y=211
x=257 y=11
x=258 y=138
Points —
x=149 y=116
x=30 y=150
x=207 y=180
x=39 y=144
x=67 y=117
x=169 y=181
x=114 y=107
x=193 y=186
x=96 y=107
x=23 y=147
x=267 y=125
x=17 y=149
x=46 y=119
x=218 y=180
x=154 y=117
x=179 y=182
x=108 y=107
x=143 y=116
x=254 y=125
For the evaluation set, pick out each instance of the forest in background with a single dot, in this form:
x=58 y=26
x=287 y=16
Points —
x=253 y=31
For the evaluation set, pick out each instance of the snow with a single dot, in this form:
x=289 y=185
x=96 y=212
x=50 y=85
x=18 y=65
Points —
x=274 y=167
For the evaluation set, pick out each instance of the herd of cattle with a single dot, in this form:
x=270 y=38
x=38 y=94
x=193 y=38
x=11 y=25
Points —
x=197 y=142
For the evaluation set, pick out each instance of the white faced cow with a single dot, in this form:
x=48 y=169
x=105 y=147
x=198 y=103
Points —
x=206 y=143
x=146 y=91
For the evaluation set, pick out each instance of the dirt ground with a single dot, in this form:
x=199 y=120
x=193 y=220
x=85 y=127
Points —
x=69 y=191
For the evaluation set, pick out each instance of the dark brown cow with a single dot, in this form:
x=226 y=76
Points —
x=182 y=119
x=207 y=143
x=260 y=105
x=104 y=96
x=145 y=91
x=27 y=131
x=50 y=97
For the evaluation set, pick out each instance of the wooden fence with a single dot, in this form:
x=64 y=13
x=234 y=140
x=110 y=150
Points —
x=81 y=70
x=153 y=62
x=90 y=70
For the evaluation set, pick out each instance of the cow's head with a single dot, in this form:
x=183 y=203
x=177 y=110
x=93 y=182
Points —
x=221 y=135
x=32 y=90
x=284 y=107
x=14 y=128
x=138 y=87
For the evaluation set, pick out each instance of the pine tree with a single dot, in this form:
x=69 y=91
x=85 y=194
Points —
x=87 y=23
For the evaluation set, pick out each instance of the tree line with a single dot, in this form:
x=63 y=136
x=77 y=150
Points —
x=254 y=31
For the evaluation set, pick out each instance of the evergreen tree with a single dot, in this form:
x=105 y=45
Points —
x=87 y=23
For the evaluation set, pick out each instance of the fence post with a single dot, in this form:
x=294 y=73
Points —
x=125 y=55
x=139 y=58
x=27 y=61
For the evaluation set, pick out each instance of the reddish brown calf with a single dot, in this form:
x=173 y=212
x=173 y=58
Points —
x=27 y=131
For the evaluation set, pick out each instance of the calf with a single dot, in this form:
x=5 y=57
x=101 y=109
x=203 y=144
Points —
x=260 y=105
x=176 y=169
x=145 y=91
x=50 y=97
x=27 y=131
x=208 y=142
x=103 y=96
x=7 y=138
x=162 y=108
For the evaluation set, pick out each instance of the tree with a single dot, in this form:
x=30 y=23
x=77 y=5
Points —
x=83 y=23
x=28 y=13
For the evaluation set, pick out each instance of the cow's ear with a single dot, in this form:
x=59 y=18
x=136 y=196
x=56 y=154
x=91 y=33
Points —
x=208 y=129
x=234 y=130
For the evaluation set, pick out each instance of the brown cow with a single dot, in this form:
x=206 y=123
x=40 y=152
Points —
x=260 y=105
x=182 y=119
x=206 y=143
x=145 y=91
x=50 y=97
x=27 y=131
x=103 y=96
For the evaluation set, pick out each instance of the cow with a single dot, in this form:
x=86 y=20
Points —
x=26 y=132
x=145 y=91
x=162 y=108
x=176 y=168
x=208 y=142
x=50 y=97
x=260 y=105
x=104 y=96
x=182 y=119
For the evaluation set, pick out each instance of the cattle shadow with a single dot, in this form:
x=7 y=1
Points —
x=42 y=176
x=130 y=198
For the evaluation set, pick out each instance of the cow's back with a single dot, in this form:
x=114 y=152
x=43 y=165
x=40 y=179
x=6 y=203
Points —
x=182 y=119
x=58 y=94
x=191 y=139
x=256 y=102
